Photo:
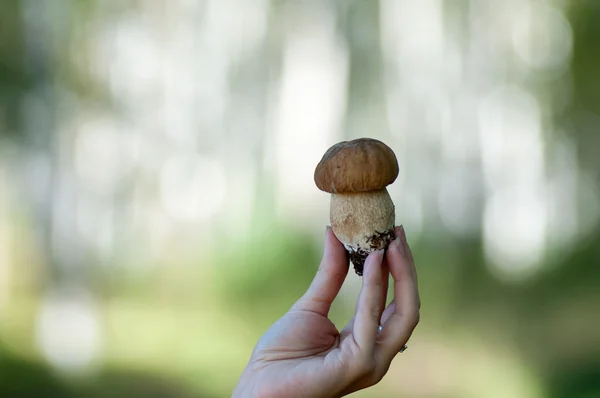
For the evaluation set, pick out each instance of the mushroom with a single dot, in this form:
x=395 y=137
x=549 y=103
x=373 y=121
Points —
x=362 y=214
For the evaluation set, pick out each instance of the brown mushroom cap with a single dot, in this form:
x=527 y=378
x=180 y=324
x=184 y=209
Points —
x=364 y=164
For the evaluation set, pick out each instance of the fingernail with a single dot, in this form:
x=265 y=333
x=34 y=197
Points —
x=327 y=228
x=375 y=261
x=377 y=254
x=398 y=243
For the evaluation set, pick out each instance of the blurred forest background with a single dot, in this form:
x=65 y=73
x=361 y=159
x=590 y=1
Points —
x=157 y=207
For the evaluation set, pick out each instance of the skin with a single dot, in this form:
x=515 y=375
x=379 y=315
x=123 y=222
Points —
x=304 y=355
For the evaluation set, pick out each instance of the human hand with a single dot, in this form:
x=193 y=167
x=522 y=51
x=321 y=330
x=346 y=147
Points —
x=304 y=355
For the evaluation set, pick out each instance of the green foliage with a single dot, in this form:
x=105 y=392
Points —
x=15 y=78
x=582 y=381
x=20 y=378
x=271 y=268
x=583 y=115
x=126 y=383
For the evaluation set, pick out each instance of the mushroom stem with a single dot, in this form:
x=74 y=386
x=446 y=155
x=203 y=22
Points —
x=363 y=222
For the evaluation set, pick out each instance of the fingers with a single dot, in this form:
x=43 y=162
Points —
x=369 y=307
x=329 y=278
x=389 y=310
x=385 y=274
x=402 y=316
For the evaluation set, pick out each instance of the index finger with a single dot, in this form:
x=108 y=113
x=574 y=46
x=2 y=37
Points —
x=329 y=278
x=402 y=321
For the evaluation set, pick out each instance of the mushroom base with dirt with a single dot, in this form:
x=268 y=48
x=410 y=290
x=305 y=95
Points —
x=363 y=222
